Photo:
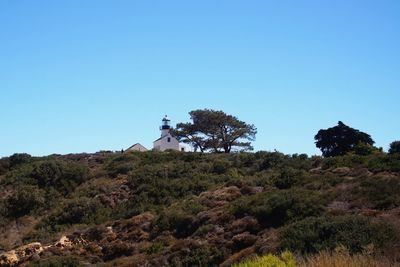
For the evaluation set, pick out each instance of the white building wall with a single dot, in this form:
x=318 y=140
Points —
x=163 y=144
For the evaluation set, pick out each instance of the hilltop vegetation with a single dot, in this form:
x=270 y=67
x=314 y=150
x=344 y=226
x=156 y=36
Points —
x=192 y=209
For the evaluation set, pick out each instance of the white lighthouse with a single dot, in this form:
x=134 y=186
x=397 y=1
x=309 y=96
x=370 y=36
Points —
x=166 y=141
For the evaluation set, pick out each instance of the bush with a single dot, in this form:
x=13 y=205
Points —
x=287 y=178
x=55 y=261
x=221 y=166
x=181 y=223
x=18 y=159
x=25 y=200
x=76 y=211
x=382 y=193
x=280 y=207
x=115 y=250
x=394 y=147
x=286 y=259
x=326 y=233
x=122 y=164
x=61 y=175
x=363 y=149
x=200 y=256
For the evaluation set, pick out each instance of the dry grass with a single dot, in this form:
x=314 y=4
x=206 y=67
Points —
x=324 y=259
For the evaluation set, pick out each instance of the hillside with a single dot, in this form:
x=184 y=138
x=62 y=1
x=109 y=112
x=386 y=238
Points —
x=192 y=209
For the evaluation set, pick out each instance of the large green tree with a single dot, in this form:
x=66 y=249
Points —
x=394 y=147
x=216 y=131
x=340 y=140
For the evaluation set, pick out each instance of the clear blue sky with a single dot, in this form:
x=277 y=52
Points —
x=82 y=76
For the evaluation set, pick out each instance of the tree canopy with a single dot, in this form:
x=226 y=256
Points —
x=340 y=140
x=394 y=147
x=216 y=131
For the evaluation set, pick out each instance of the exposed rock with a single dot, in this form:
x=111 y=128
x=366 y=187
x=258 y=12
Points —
x=64 y=242
x=342 y=171
x=20 y=255
x=360 y=172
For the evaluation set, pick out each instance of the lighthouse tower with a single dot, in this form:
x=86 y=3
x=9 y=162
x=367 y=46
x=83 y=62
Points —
x=166 y=141
x=165 y=126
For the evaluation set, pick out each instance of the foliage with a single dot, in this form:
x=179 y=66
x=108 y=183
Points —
x=287 y=178
x=216 y=131
x=64 y=176
x=394 y=147
x=374 y=163
x=382 y=193
x=24 y=201
x=19 y=159
x=340 y=140
x=200 y=256
x=292 y=193
x=279 y=207
x=76 y=211
x=57 y=261
x=116 y=250
x=315 y=234
x=364 y=149
x=286 y=259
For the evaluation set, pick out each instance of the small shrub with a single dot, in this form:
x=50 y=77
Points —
x=115 y=250
x=155 y=248
x=286 y=259
x=221 y=166
x=181 y=223
x=287 y=179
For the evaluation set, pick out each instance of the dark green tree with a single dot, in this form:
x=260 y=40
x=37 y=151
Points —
x=394 y=147
x=340 y=140
x=216 y=131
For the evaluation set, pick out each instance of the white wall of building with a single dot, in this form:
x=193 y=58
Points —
x=166 y=142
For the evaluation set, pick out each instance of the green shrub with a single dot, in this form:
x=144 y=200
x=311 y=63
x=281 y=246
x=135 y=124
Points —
x=115 y=250
x=287 y=178
x=155 y=248
x=19 y=159
x=326 y=233
x=57 y=261
x=394 y=147
x=221 y=166
x=76 y=211
x=25 y=200
x=61 y=175
x=279 y=207
x=181 y=223
x=382 y=193
x=200 y=256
